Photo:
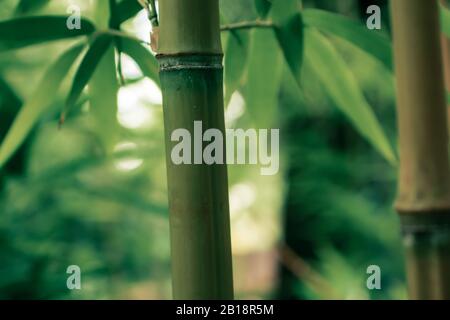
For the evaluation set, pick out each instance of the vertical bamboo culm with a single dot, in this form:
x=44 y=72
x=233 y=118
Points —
x=190 y=58
x=445 y=41
x=423 y=200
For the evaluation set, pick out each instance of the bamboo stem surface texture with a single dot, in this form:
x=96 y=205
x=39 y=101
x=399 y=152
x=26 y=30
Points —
x=423 y=199
x=190 y=57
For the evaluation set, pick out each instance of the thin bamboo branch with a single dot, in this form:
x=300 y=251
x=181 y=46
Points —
x=304 y=272
x=247 y=25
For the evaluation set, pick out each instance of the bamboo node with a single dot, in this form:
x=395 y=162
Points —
x=190 y=61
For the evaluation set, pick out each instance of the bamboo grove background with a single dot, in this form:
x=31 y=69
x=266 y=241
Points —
x=94 y=193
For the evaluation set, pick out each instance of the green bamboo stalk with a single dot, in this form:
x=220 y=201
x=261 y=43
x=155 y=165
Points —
x=190 y=58
x=423 y=199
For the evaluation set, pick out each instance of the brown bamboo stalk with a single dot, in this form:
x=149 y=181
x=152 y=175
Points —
x=445 y=42
x=423 y=199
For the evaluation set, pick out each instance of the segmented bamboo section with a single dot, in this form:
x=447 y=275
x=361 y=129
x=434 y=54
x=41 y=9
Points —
x=423 y=200
x=190 y=57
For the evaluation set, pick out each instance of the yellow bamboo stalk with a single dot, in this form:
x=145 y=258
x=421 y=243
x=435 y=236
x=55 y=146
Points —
x=423 y=199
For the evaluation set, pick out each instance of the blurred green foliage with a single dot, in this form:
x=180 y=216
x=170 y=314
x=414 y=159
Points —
x=93 y=193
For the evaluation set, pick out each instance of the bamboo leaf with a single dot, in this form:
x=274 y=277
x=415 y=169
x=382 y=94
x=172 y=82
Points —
x=235 y=61
x=289 y=32
x=127 y=9
x=8 y=94
x=371 y=41
x=97 y=49
x=30 y=5
x=263 y=78
x=143 y=57
x=37 y=103
x=25 y=31
x=232 y=11
x=103 y=91
x=343 y=89
x=262 y=7
x=10 y=104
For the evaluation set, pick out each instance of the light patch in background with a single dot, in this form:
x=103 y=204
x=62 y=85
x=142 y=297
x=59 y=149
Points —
x=130 y=69
x=142 y=26
x=255 y=213
x=135 y=104
x=136 y=100
x=127 y=163
x=146 y=88
x=248 y=234
x=235 y=109
x=242 y=196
